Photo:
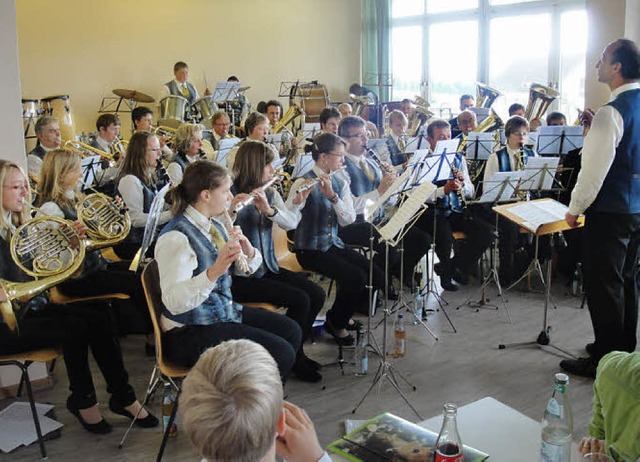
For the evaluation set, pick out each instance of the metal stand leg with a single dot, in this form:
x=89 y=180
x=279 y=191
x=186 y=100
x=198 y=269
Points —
x=168 y=429
x=34 y=412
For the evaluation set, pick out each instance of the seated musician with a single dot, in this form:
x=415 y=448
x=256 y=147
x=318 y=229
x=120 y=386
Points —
x=137 y=185
x=329 y=120
x=516 y=109
x=466 y=101
x=78 y=329
x=188 y=145
x=232 y=409
x=195 y=265
x=450 y=214
x=555 y=119
x=59 y=198
x=316 y=241
x=467 y=122
x=221 y=126
x=367 y=181
x=406 y=107
x=513 y=156
x=345 y=109
x=396 y=141
x=180 y=86
x=48 y=133
x=358 y=90
x=270 y=283
x=257 y=128
x=288 y=143
x=142 y=119
x=108 y=131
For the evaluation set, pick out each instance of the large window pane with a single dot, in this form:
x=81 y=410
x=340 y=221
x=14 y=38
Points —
x=514 y=63
x=453 y=64
x=406 y=52
x=444 y=6
x=573 y=49
x=402 y=8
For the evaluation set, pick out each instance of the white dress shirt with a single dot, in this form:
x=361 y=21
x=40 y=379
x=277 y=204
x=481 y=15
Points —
x=166 y=92
x=360 y=202
x=598 y=152
x=493 y=165
x=467 y=188
x=285 y=218
x=343 y=207
x=175 y=172
x=181 y=291
x=130 y=188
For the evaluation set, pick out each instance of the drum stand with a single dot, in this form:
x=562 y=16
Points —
x=543 y=338
x=385 y=369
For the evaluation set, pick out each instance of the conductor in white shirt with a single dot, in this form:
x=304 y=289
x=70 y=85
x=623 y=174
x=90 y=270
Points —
x=608 y=193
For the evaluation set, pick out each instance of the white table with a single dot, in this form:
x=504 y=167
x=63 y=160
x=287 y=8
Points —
x=502 y=432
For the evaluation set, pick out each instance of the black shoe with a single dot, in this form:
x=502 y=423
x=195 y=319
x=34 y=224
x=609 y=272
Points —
x=100 y=428
x=584 y=367
x=448 y=285
x=306 y=373
x=437 y=268
x=149 y=421
x=149 y=349
x=590 y=348
x=315 y=365
x=460 y=277
x=356 y=326
x=331 y=330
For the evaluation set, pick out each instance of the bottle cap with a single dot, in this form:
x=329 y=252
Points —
x=562 y=379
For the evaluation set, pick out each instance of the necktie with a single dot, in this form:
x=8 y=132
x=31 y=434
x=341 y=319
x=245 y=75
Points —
x=185 y=91
x=401 y=144
x=216 y=237
x=519 y=164
x=366 y=168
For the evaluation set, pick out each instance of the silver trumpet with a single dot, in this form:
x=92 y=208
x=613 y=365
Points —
x=315 y=181
x=242 y=263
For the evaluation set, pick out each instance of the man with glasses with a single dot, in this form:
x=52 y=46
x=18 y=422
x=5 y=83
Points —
x=221 y=125
x=48 y=132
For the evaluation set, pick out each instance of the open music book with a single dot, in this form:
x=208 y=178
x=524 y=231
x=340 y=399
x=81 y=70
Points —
x=541 y=216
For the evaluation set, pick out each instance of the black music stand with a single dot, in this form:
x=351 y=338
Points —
x=558 y=140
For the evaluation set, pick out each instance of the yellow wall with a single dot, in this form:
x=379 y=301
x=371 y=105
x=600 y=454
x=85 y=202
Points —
x=86 y=48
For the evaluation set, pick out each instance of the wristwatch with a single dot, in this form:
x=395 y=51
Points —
x=275 y=212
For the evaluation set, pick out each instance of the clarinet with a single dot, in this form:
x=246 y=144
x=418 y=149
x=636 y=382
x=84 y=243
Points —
x=161 y=172
x=384 y=166
x=242 y=263
x=458 y=201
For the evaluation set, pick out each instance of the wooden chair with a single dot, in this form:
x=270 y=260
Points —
x=23 y=361
x=163 y=370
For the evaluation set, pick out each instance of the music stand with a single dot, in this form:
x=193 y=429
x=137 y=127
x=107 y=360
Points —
x=275 y=140
x=540 y=217
x=303 y=165
x=558 y=140
x=89 y=166
x=224 y=147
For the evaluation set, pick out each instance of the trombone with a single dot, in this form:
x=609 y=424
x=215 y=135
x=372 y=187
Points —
x=86 y=150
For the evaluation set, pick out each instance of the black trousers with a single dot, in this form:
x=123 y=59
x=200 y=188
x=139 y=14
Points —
x=77 y=329
x=302 y=298
x=350 y=270
x=279 y=335
x=479 y=238
x=416 y=243
x=611 y=270
x=114 y=279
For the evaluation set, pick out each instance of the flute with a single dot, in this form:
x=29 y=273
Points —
x=242 y=263
x=315 y=181
x=249 y=200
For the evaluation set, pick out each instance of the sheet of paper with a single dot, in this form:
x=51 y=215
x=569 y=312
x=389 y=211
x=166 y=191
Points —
x=480 y=145
x=377 y=144
x=407 y=210
x=311 y=130
x=446 y=146
x=17 y=427
x=303 y=165
x=552 y=142
x=372 y=207
x=223 y=151
x=500 y=187
x=276 y=140
x=538 y=213
x=539 y=173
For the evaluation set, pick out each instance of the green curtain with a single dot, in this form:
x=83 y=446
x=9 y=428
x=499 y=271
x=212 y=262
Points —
x=376 y=40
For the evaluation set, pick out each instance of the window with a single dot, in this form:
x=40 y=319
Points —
x=507 y=44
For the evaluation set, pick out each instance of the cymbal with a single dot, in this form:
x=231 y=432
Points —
x=241 y=89
x=133 y=95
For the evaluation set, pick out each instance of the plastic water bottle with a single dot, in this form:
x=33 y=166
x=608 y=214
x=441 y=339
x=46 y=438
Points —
x=168 y=402
x=361 y=358
x=576 y=281
x=399 y=338
x=557 y=424
x=448 y=444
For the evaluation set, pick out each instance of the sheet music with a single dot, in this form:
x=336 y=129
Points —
x=538 y=213
x=16 y=425
x=405 y=213
x=377 y=144
x=311 y=130
x=225 y=91
x=481 y=113
x=276 y=140
x=414 y=141
x=89 y=166
x=278 y=163
x=303 y=165
x=443 y=146
x=550 y=137
x=372 y=207
x=480 y=145
x=532 y=139
x=500 y=187
x=225 y=146
x=539 y=173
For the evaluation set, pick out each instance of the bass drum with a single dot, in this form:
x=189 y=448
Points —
x=30 y=112
x=60 y=107
x=172 y=110
x=205 y=107
x=312 y=97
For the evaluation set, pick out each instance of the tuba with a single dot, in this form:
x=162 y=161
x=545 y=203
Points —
x=485 y=95
x=418 y=116
x=292 y=113
x=540 y=98
x=48 y=249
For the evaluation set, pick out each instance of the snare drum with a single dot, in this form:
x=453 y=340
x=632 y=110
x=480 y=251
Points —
x=172 y=110
x=312 y=97
x=205 y=107
x=60 y=107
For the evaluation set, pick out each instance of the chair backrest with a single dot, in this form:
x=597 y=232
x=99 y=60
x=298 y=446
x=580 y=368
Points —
x=151 y=285
x=280 y=245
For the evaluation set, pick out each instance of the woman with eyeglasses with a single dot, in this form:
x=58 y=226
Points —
x=512 y=156
x=316 y=241
x=138 y=186
x=257 y=128
x=79 y=329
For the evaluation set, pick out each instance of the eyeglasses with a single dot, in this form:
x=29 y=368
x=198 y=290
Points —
x=362 y=136
x=15 y=187
x=520 y=133
x=335 y=155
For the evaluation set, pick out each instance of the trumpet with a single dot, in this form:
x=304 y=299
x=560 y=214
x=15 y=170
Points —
x=167 y=132
x=242 y=263
x=249 y=200
x=86 y=150
x=315 y=181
